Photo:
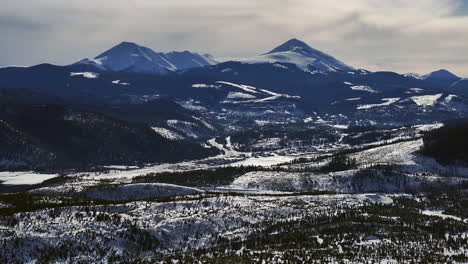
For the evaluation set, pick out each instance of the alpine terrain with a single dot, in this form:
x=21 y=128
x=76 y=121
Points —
x=290 y=156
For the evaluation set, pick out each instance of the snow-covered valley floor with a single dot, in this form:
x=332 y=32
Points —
x=382 y=202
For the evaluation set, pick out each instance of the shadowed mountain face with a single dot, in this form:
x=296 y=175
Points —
x=442 y=77
x=460 y=87
x=131 y=57
x=41 y=136
x=449 y=144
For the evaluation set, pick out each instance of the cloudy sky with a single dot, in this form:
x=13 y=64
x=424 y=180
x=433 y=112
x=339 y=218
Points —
x=399 y=35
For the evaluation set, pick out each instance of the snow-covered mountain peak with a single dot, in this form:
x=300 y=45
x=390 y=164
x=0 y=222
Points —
x=414 y=75
x=131 y=57
x=291 y=45
x=306 y=58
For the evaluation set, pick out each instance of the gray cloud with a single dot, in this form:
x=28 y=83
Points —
x=398 y=35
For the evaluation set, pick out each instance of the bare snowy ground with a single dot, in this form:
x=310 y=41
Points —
x=267 y=214
x=198 y=223
x=20 y=178
x=158 y=230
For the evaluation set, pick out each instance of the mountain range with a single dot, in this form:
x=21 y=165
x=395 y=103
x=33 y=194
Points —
x=130 y=57
x=184 y=96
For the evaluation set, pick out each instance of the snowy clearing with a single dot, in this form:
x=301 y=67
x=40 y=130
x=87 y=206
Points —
x=426 y=100
x=167 y=133
x=439 y=213
x=27 y=178
x=388 y=101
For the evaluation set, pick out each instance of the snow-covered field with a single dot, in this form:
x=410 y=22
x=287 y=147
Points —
x=101 y=216
x=426 y=100
x=20 y=178
x=176 y=225
x=146 y=229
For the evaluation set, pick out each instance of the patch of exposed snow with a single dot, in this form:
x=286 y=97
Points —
x=89 y=75
x=27 y=178
x=228 y=150
x=428 y=127
x=363 y=88
x=279 y=66
x=264 y=161
x=233 y=95
x=340 y=126
x=201 y=85
x=450 y=97
x=293 y=57
x=417 y=90
x=378 y=198
x=247 y=88
x=167 y=133
x=439 y=213
x=388 y=101
x=426 y=100
x=121 y=83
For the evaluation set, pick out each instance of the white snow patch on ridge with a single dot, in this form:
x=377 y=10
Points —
x=363 y=88
x=228 y=150
x=253 y=90
x=167 y=133
x=279 y=66
x=89 y=75
x=417 y=90
x=247 y=88
x=388 y=101
x=450 y=97
x=121 y=83
x=202 y=85
x=428 y=127
x=240 y=96
x=426 y=100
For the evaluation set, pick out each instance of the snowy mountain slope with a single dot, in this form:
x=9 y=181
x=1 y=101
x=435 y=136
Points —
x=131 y=57
x=239 y=106
x=292 y=94
x=407 y=169
x=303 y=56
